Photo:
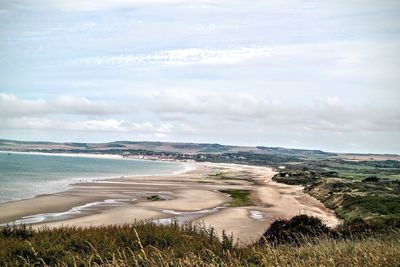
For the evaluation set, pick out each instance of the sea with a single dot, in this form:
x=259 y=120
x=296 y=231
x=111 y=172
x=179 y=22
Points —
x=25 y=175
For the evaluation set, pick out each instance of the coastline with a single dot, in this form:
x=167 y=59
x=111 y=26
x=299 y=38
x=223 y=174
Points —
x=189 y=196
x=79 y=155
x=47 y=186
x=94 y=155
x=188 y=164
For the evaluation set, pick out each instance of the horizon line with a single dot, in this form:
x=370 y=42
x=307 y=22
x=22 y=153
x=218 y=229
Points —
x=201 y=143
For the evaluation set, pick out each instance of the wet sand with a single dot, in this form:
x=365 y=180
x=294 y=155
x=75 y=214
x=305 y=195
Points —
x=193 y=194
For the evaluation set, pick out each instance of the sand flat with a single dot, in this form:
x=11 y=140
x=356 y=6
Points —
x=236 y=221
x=191 y=200
x=287 y=201
x=114 y=216
x=12 y=211
x=193 y=191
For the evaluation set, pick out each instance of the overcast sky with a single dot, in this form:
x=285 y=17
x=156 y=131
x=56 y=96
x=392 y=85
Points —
x=303 y=74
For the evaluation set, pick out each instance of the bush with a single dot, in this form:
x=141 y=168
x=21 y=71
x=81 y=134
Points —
x=296 y=230
x=376 y=224
x=371 y=179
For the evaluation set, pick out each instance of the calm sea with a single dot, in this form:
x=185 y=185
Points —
x=27 y=175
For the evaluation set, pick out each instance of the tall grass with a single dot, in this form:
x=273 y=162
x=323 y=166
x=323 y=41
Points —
x=148 y=244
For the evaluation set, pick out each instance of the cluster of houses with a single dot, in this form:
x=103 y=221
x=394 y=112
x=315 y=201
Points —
x=149 y=155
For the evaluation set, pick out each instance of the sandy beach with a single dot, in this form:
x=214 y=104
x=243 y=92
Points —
x=191 y=196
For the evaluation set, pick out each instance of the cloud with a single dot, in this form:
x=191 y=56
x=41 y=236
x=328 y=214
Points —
x=234 y=105
x=107 y=126
x=40 y=123
x=261 y=72
x=187 y=56
x=99 y=5
x=333 y=60
x=13 y=106
x=80 y=114
x=319 y=114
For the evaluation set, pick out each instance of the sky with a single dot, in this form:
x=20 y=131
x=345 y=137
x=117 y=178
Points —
x=300 y=74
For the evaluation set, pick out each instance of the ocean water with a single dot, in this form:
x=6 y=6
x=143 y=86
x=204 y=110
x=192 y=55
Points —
x=25 y=175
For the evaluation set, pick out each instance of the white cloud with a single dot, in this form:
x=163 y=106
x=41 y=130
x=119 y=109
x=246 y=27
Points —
x=98 y=5
x=188 y=56
x=261 y=72
x=321 y=114
x=11 y=105
x=100 y=126
x=75 y=113
x=337 y=59
x=92 y=5
x=40 y=123
x=234 y=105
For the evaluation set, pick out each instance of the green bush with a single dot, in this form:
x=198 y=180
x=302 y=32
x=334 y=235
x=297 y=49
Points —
x=297 y=230
x=371 y=179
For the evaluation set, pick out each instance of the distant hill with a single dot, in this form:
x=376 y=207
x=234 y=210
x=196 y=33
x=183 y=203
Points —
x=183 y=148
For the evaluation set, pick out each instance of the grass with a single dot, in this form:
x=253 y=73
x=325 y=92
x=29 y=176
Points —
x=384 y=205
x=367 y=191
x=130 y=245
x=232 y=176
x=376 y=203
x=361 y=170
x=148 y=244
x=155 y=198
x=239 y=197
x=349 y=170
x=370 y=251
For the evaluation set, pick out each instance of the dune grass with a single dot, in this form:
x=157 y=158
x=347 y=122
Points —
x=148 y=244
x=378 y=250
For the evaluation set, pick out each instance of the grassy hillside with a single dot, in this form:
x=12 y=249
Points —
x=363 y=193
x=147 y=244
x=375 y=204
x=170 y=147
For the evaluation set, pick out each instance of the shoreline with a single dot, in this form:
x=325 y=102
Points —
x=65 y=184
x=83 y=201
x=95 y=155
x=190 y=196
x=78 y=155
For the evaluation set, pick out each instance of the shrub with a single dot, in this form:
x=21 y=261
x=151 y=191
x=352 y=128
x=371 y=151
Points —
x=371 y=179
x=364 y=226
x=296 y=230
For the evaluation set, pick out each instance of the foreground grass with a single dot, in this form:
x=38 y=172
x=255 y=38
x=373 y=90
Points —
x=148 y=244
x=370 y=251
